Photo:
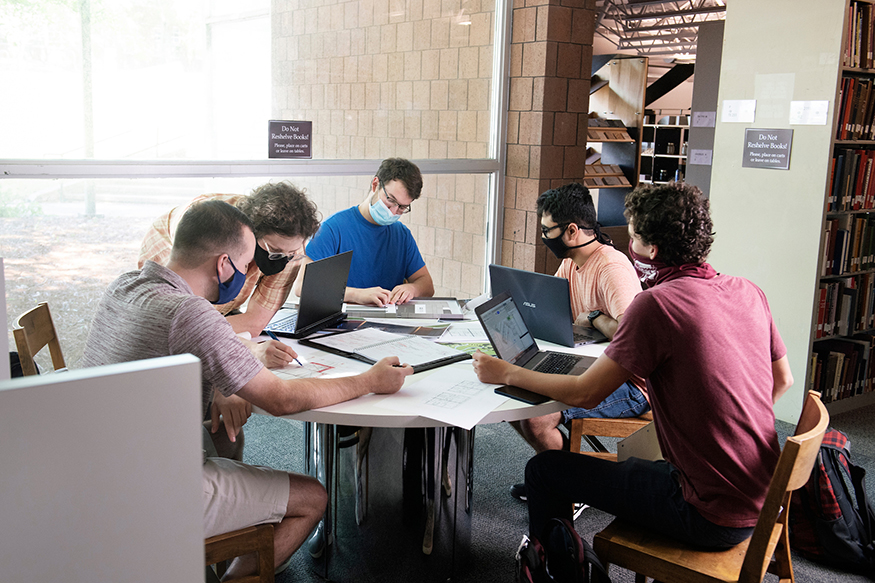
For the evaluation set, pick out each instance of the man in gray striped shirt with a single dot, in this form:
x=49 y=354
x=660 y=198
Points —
x=160 y=311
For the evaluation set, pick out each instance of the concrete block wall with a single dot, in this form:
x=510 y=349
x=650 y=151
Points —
x=408 y=78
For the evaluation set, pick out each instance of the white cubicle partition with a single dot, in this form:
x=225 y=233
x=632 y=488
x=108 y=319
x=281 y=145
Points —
x=100 y=474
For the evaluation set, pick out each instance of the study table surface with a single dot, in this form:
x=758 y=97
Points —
x=396 y=489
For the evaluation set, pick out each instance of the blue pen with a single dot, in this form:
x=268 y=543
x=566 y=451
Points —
x=273 y=336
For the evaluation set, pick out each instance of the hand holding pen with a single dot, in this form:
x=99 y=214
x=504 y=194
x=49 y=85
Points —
x=284 y=347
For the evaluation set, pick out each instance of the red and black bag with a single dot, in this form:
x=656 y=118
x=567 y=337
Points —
x=563 y=558
x=825 y=524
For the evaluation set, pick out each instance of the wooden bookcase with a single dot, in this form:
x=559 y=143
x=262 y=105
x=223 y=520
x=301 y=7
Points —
x=664 y=147
x=842 y=360
x=617 y=95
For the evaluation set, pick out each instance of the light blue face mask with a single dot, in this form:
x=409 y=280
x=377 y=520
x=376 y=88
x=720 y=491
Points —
x=228 y=290
x=381 y=213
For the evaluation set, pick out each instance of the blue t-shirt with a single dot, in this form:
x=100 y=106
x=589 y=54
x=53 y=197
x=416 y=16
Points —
x=382 y=256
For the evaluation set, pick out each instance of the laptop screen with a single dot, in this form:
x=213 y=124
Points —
x=506 y=329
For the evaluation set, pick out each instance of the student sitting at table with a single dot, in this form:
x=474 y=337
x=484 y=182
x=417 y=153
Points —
x=283 y=218
x=387 y=267
x=691 y=334
x=164 y=310
x=602 y=283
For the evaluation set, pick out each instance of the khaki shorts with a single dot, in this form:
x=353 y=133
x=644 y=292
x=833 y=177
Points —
x=237 y=495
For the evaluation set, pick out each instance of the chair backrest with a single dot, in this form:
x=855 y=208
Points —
x=33 y=330
x=793 y=470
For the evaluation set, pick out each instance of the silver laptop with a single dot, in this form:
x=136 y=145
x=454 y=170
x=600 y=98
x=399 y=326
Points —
x=545 y=305
x=512 y=341
x=321 y=302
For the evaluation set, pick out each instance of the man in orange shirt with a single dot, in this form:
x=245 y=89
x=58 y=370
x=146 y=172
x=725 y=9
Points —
x=602 y=282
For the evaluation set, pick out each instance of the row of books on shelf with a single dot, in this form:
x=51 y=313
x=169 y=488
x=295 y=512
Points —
x=851 y=186
x=843 y=368
x=846 y=306
x=848 y=245
x=860 y=47
x=856 y=109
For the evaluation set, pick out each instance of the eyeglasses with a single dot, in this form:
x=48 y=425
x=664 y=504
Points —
x=394 y=204
x=546 y=230
x=276 y=255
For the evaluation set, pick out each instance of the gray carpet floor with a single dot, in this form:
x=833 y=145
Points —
x=498 y=521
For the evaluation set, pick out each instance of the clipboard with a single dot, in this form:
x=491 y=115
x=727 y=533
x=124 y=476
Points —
x=370 y=345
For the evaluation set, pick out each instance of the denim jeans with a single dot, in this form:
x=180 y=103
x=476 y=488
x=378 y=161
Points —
x=644 y=492
x=626 y=401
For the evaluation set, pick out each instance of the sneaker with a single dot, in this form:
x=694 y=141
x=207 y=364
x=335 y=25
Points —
x=284 y=566
x=579 y=507
x=518 y=491
x=318 y=542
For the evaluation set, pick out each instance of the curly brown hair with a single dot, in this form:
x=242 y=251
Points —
x=675 y=217
x=281 y=209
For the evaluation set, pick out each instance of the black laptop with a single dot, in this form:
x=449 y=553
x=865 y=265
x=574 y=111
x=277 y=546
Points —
x=321 y=302
x=512 y=341
x=545 y=305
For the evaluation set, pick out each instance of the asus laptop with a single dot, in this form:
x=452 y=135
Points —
x=512 y=341
x=545 y=305
x=321 y=302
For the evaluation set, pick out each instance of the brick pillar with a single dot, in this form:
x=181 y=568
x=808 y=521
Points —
x=550 y=70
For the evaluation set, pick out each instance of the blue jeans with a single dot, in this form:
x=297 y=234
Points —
x=643 y=492
x=626 y=401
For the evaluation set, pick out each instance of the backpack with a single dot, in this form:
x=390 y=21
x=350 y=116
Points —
x=824 y=523
x=563 y=558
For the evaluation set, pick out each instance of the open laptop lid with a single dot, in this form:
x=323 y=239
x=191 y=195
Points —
x=506 y=329
x=321 y=301
x=543 y=300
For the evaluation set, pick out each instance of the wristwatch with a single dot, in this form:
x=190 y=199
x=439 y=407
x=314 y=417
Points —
x=592 y=316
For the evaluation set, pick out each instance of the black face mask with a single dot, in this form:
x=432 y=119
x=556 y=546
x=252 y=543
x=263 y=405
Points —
x=266 y=265
x=558 y=246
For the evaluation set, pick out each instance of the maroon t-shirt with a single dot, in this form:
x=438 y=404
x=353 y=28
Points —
x=706 y=348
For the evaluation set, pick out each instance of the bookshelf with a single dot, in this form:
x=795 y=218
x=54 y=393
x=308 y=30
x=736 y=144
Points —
x=664 y=147
x=614 y=132
x=842 y=359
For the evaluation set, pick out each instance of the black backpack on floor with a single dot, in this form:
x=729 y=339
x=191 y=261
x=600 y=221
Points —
x=825 y=524
x=564 y=557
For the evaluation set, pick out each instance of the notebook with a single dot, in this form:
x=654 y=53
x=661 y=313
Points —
x=512 y=341
x=370 y=345
x=321 y=302
x=545 y=305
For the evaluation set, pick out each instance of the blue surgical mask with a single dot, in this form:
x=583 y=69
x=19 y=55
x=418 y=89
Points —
x=381 y=213
x=228 y=290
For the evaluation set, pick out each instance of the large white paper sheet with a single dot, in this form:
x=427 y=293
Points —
x=450 y=395
x=464 y=332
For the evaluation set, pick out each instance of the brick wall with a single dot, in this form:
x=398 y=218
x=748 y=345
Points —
x=551 y=58
x=408 y=78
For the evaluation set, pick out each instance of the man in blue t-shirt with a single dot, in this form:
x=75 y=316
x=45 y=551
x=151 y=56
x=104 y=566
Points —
x=387 y=267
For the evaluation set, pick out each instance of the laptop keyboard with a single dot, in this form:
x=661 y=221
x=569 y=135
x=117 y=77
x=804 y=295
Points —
x=557 y=363
x=285 y=325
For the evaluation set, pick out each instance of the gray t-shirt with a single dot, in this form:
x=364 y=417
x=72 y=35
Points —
x=152 y=313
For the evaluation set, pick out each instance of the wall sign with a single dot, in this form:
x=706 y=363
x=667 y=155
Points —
x=767 y=148
x=290 y=139
x=739 y=110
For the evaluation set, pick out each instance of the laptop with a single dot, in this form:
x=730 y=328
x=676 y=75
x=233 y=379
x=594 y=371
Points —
x=545 y=304
x=321 y=302
x=512 y=341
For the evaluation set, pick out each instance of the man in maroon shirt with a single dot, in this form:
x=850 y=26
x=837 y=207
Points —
x=714 y=363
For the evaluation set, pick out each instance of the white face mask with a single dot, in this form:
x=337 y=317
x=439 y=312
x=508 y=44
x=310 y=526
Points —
x=381 y=213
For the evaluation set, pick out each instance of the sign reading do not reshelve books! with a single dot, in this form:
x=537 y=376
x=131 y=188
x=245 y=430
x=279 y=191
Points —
x=290 y=139
x=767 y=148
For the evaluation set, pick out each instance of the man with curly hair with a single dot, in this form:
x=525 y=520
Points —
x=387 y=267
x=283 y=219
x=602 y=283
x=715 y=365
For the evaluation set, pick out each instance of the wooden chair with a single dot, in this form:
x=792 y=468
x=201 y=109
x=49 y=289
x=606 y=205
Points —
x=33 y=330
x=589 y=428
x=253 y=539
x=653 y=555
